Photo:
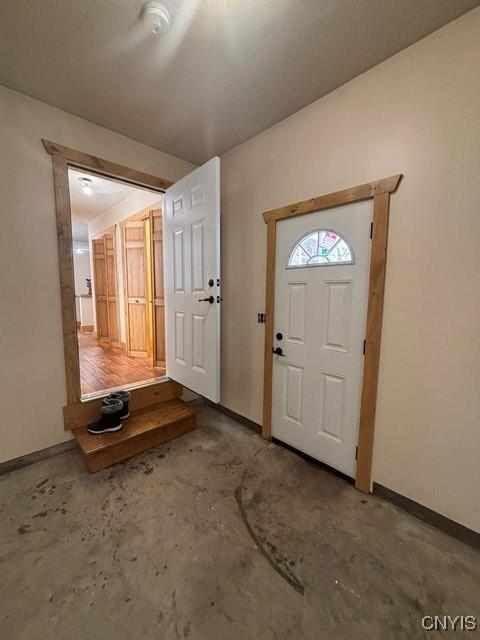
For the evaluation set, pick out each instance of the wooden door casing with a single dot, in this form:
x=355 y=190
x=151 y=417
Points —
x=62 y=158
x=105 y=284
x=100 y=285
x=135 y=287
x=158 y=297
x=112 y=294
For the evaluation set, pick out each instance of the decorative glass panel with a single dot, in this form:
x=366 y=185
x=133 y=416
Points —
x=321 y=248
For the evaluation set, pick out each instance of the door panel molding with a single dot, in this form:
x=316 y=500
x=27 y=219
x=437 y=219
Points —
x=112 y=288
x=380 y=191
x=158 y=293
x=62 y=158
x=136 y=288
x=105 y=287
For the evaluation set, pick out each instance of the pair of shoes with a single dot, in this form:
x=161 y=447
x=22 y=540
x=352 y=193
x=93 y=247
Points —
x=114 y=411
x=124 y=397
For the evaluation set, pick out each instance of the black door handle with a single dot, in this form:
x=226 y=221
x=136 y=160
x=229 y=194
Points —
x=210 y=299
x=278 y=351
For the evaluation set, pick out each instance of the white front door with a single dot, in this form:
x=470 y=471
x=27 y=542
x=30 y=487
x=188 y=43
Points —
x=191 y=231
x=321 y=291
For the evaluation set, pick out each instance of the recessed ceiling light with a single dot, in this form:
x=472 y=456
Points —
x=86 y=186
x=156 y=16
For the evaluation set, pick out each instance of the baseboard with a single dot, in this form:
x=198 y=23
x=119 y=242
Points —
x=35 y=456
x=86 y=328
x=236 y=416
x=466 y=535
x=195 y=402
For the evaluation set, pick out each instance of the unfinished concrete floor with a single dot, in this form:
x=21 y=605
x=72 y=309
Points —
x=218 y=535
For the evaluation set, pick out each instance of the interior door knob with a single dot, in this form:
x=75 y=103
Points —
x=210 y=299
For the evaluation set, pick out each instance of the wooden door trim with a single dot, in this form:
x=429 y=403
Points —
x=62 y=158
x=128 y=300
x=67 y=280
x=335 y=199
x=105 y=167
x=156 y=301
x=96 y=282
x=380 y=191
x=112 y=232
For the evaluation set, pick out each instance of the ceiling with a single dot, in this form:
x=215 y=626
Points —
x=106 y=193
x=226 y=69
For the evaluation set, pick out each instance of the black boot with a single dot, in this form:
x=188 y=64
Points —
x=110 y=418
x=124 y=396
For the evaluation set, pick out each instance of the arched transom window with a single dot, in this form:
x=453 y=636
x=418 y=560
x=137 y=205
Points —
x=321 y=248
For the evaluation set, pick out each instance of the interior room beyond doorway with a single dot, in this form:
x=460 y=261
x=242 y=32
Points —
x=118 y=268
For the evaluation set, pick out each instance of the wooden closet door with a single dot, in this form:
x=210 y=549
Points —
x=136 y=287
x=112 y=299
x=158 y=288
x=100 y=284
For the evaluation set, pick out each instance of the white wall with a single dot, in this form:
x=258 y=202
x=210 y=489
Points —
x=32 y=379
x=416 y=113
x=81 y=270
x=81 y=266
x=85 y=315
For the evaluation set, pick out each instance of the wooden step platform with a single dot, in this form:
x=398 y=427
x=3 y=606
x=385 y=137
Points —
x=144 y=429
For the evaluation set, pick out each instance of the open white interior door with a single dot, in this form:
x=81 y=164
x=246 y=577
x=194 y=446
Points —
x=192 y=280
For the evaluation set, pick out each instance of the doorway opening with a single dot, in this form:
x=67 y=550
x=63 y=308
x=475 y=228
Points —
x=323 y=239
x=189 y=237
x=118 y=276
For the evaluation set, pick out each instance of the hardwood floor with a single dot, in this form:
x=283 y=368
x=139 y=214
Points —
x=105 y=367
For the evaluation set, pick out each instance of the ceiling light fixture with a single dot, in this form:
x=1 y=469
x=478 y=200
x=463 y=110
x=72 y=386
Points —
x=86 y=186
x=156 y=16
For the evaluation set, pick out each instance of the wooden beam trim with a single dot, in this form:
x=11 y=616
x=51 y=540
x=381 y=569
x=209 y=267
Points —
x=381 y=206
x=329 y=200
x=67 y=283
x=105 y=167
x=269 y=319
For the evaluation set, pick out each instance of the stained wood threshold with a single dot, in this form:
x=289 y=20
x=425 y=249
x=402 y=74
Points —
x=86 y=397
